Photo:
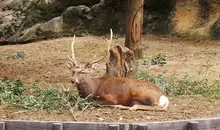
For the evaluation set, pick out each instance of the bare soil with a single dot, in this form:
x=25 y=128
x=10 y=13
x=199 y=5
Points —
x=44 y=64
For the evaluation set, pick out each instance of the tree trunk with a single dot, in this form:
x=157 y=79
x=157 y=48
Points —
x=134 y=27
x=121 y=62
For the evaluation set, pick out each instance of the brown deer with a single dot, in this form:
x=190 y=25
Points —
x=125 y=93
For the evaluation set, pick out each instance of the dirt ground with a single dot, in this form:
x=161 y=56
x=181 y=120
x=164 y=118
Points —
x=44 y=64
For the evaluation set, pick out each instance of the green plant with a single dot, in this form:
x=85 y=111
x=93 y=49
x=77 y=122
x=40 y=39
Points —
x=185 y=86
x=142 y=75
x=144 y=61
x=158 y=60
x=35 y=98
x=11 y=90
x=162 y=83
x=17 y=55
x=50 y=98
x=159 y=80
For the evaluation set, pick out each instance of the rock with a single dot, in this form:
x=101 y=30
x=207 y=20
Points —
x=26 y=35
x=11 y=17
x=15 y=16
x=215 y=30
x=44 y=30
x=74 y=17
x=50 y=1
x=4 y=3
x=15 y=5
x=54 y=25
x=18 y=22
x=51 y=28
x=77 y=19
x=5 y=26
x=209 y=30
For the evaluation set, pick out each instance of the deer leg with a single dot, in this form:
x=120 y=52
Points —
x=107 y=99
x=138 y=107
x=146 y=108
x=119 y=106
x=139 y=103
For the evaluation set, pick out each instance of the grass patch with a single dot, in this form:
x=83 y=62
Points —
x=185 y=86
x=158 y=60
x=35 y=98
x=17 y=55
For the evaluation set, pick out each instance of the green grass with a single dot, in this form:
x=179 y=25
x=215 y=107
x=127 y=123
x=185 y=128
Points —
x=35 y=98
x=185 y=86
x=177 y=87
x=158 y=60
x=17 y=55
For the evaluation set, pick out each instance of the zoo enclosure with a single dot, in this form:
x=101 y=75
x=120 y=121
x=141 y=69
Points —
x=197 y=124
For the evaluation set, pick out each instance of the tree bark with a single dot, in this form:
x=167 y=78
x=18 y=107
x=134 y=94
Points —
x=134 y=27
x=121 y=62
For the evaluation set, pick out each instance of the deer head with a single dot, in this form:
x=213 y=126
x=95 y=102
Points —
x=79 y=72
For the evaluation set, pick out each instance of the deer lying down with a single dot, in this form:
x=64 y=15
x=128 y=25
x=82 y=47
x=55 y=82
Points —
x=125 y=93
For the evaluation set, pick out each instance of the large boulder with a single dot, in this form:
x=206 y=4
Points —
x=73 y=19
x=13 y=15
x=199 y=18
x=209 y=30
x=17 y=17
x=215 y=30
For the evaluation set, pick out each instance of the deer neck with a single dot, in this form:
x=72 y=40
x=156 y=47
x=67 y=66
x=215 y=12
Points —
x=88 y=86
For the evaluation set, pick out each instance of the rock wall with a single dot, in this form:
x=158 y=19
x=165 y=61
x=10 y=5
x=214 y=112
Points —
x=19 y=16
x=197 y=18
x=81 y=19
x=25 y=20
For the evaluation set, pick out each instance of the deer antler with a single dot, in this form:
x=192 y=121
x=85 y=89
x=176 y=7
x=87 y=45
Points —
x=107 y=52
x=73 y=59
x=110 y=41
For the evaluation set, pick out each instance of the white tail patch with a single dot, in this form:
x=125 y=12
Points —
x=163 y=102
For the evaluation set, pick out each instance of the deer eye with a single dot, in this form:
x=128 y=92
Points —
x=82 y=72
x=73 y=73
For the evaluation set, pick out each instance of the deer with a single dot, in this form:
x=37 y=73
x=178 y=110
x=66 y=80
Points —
x=119 y=92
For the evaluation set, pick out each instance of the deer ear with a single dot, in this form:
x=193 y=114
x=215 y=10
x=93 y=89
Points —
x=94 y=66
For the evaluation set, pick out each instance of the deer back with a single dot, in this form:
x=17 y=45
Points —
x=125 y=90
